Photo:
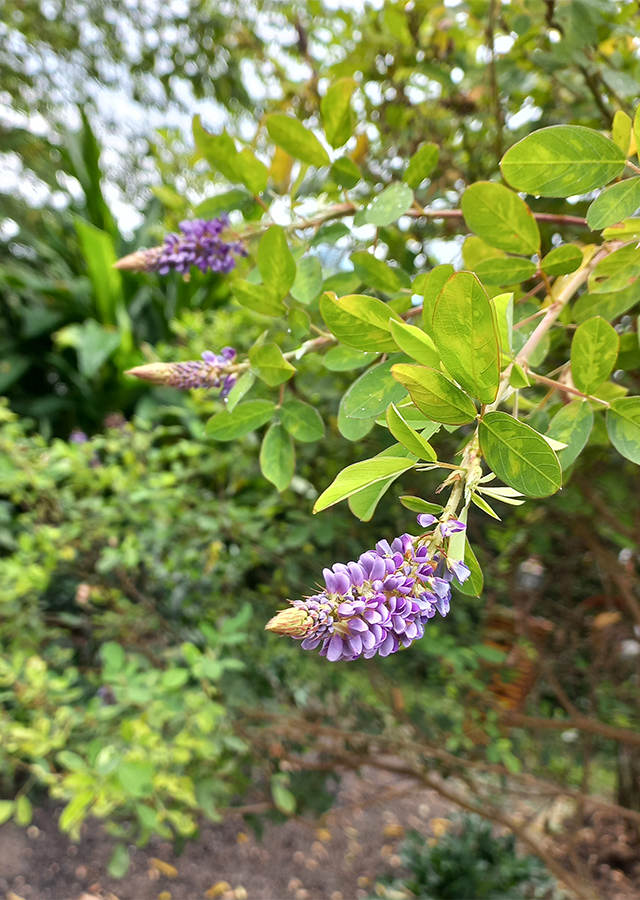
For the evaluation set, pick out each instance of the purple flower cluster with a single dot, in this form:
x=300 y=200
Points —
x=377 y=605
x=200 y=243
x=209 y=372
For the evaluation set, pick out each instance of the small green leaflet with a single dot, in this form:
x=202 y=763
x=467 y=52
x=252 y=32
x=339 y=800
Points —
x=421 y=165
x=388 y=206
x=417 y=504
x=621 y=131
x=623 y=427
x=308 y=281
x=572 y=425
x=562 y=260
x=359 y=321
x=614 y=204
x=609 y=306
x=257 y=298
x=335 y=108
x=434 y=395
x=296 y=140
x=345 y=172
x=344 y=359
x=268 y=363
x=372 y=392
x=509 y=270
x=363 y=503
x=519 y=455
x=246 y=417
x=466 y=336
x=415 y=343
x=500 y=218
x=430 y=289
x=472 y=587
x=277 y=457
x=276 y=264
x=353 y=429
x=594 y=351
x=617 y=271
x=358 y=476
x=375 y=273
x=408 y=437
x=119 y=862
x=562 y=160
x=503 y=305
x=302 y=421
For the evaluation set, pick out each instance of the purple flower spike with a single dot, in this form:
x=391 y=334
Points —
x=209 y=372
x=377 y=605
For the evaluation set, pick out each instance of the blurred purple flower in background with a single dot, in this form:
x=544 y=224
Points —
x=209 y=372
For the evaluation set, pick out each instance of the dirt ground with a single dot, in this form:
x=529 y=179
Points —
x=341 y=860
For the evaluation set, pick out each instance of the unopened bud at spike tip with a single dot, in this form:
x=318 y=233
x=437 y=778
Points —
x=294 y=622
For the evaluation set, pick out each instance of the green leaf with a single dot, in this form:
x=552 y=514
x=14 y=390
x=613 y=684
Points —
x=296 y=140
x=353 y=429
x=435 y=395
x=299 y=323
x=472 y=587
x=75 y=811
x=503 y=305
x=277 y=457
x=257 y=298
x=636 y=129
x=500 y=218
x=433 y=284
x=335 y=108
x=571 y=425
x=372 y=392
x=617 y=271
x=136 y=778
x=113 y=658
x=466 y=336
x=253 y=172
x=594 y=351
x=561 y=161
x=268 y=363
x=345 y=173
x=24 y=811
x=388 y=206
x=173 y=679
x=302 y=421
x=519 y=455
x=6 y=810
x=421 y=165
x=621 y=131
x=417 y=504
x=562 y=260
x=93 y=343
x=359 y=475
x=609 y=306
x=119 y=863
x=475 y=250
x=219 y=150
x=359 y=321
x=284 y=800
x=375 y=273
x=308 y=280
x=100 y=256
x=12 y=367
x=276 y=264
x=344 y=359
x=246 y=417
x=505 y=271
x=614 y=204
x=623 y=425
x=224 y=202
x=242 y=387
x=627 y=230
x=409 y=438
x=629 y=355
x=363 y=503
x=415 y=343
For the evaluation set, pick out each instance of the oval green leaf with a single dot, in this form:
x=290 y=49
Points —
x=500 y=218
x=335 y=107
x=519 y=455
x=277 y=457
x=302 y=421
x=562 y=160
x=435 y=395
x=388 y=206
x=359 y=475
x=296 y=140
x=623 y=427
x=466 y=336
x=594 y=351
x=562 y=260
x=375 y=273
x=276 y=264
x=509 y=270
x=614 y=204
x=571 y=425
x=359 y=321
x=405 y=434
x=372 y=392
x=353 y=429
x=363 y=503
x=344 y=359
x=609 y=306
x=308 y=281
x=415 y=343
x=246 y=417
x=421 y=165
x=617 y=271
x=268 y=363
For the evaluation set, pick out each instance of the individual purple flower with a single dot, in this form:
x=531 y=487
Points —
x=78 y=436
x=425 y=520
x=451 y=526
x=375 y=606
x=211 y=371
x=201 y=243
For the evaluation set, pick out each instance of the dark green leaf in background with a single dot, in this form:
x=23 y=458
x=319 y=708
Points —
x=609 y=306
x=623 y=427
x=344 y=359
x=345 y=172
x=372 y=392
x=301 y=420
x=353 y=429
x=434 y=395
x=509 y=270
x=594 y=351
x=500 y=218
x=246 y=417
x=308 y=280
x=466 y=336
x=519 y=455
x=277 y=457
x=562 y=160
x=375 y=273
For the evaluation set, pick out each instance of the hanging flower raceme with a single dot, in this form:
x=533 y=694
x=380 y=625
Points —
x=201 y=243
x=379 y=604
x=211 y=371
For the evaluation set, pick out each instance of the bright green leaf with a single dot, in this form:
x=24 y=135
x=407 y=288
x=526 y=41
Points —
x=415 y=343
x=358 y=476
x=119 y=862
x=257 y=298
x=302 y=421
x=388 y=206
x=572 y=425
x=500 y=218
x=359 y=321
x=503 y=305
x=433 y=284
x=335 y=107
x=408 y=437
x=623 y=426
x=246 y=417
x=594 y=351
x=421 y=165
x=276 y=264
x=296 y=140
x=617 y=271
x=614 y=204
x=375 y=273
x=277 y=457
x=268 y=363
x=345 y=173
x=434 y=395
x=417 y=504
x=562 y=260
x=510 y=270
x=621 y=131
x=344 y=359
x=363 y=503
x=23 y=811
x=519 y=455
x=242 y=387
x=308 y=280
x=136 y=778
